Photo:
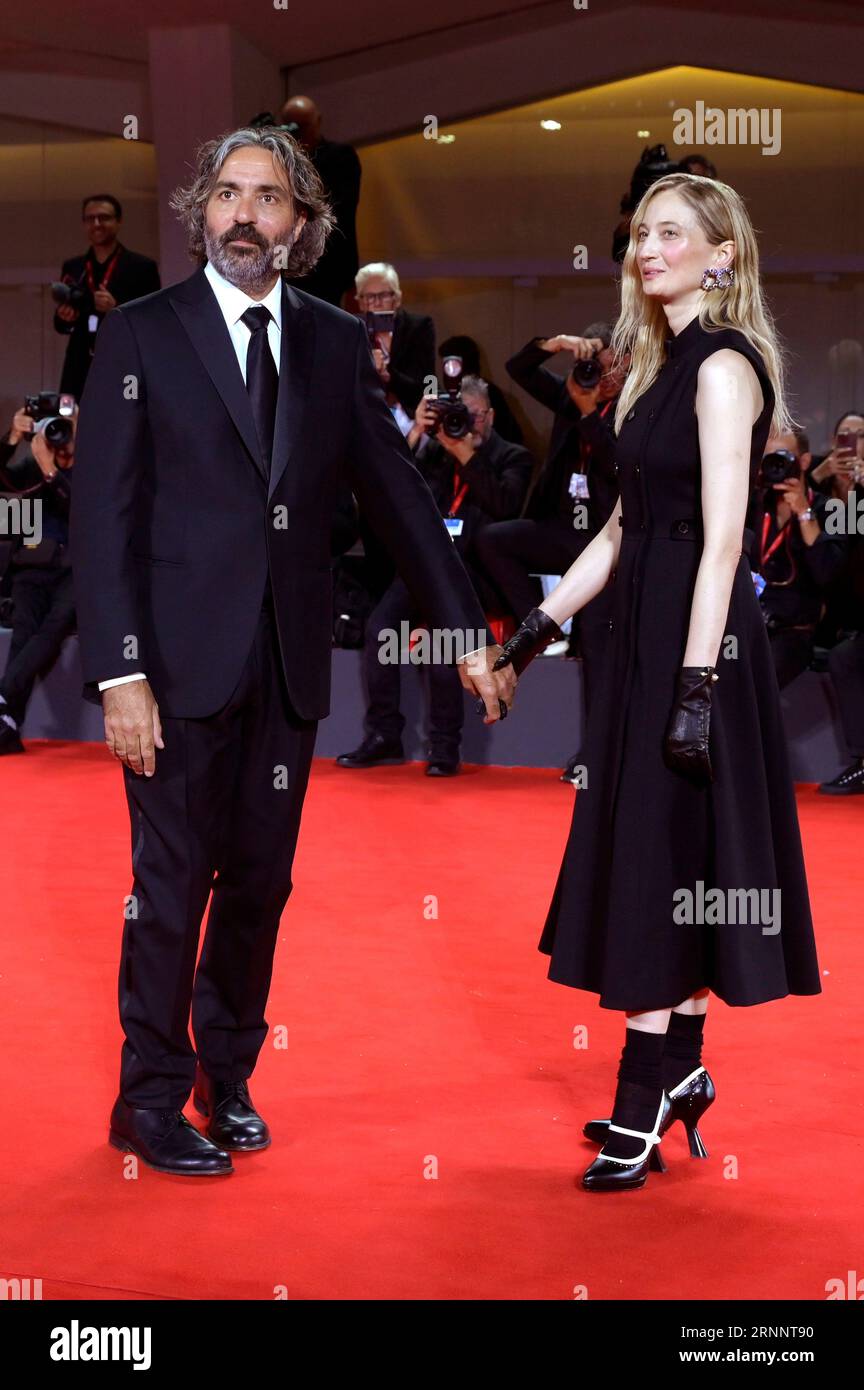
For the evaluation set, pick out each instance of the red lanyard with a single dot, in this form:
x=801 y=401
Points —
x=782 y=535
x=458 y=494
x=109 y=271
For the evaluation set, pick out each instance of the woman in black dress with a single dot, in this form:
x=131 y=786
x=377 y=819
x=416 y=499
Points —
x=683 y=872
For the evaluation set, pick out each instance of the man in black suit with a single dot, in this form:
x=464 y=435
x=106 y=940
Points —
x=109 y=274
x=216 y=422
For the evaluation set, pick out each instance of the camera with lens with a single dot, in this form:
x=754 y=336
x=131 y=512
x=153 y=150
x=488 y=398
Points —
x=52 y=416
x=73 y=295
x=452 y=415
x=586 y=372
x=779 y=467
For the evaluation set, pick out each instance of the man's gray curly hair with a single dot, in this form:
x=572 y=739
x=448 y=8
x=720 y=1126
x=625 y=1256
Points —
x=307 y=192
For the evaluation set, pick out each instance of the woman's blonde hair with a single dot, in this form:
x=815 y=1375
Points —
x=642 y=326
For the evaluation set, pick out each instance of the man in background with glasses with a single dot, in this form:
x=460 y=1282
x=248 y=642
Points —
x=403 y=349
x=91 y=285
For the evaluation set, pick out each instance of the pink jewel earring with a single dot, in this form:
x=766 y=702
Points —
x=717 y=277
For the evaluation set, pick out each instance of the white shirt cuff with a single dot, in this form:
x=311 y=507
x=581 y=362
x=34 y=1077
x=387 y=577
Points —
x=122 y=680
x=465 y=655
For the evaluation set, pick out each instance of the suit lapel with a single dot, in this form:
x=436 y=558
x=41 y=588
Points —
x=198 y=310
x=295 y=367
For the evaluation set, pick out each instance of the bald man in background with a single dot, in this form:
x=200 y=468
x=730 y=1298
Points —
x=339 y=168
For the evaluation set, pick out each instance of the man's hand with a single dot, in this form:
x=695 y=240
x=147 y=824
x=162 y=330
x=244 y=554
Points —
x=22 y=424
x=584 y=398
x=67 y=312
x=132 y=727
x=381 y=359
x=461 y=449
x=43 y=454
x=477 y=676
x=568 y=342
x=103 y=300
x=424 y=419
x=792 y=491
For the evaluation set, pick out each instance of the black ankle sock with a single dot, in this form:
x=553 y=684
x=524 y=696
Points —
x=640 y=1086
x=683 y=1051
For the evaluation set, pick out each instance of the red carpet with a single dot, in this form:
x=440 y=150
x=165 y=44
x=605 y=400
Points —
x=414 y=1042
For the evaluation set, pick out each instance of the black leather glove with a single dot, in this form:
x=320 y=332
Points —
x=533 y=634
x=686 y=743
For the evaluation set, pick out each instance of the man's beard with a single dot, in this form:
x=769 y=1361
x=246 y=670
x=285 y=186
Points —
x=247 y=268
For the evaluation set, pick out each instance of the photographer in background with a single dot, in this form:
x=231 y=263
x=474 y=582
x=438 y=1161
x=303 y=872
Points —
x=461 y=345
x=792 y=558
x=338 y=166
x=402 y=344
x=841 y=476
x=576 y=489
x=90 y=286
x=36 y=462
x=475 y=477
x=403 y=350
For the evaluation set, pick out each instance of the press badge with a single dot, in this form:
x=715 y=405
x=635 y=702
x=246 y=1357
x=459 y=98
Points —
x=454 y=525
x=578 y=485
x=93 y=323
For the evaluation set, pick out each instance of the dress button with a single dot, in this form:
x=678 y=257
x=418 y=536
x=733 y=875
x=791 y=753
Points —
x=641 y=525
x=632 y=413
x=682 y=528
x=610 y=624
x=637 y=469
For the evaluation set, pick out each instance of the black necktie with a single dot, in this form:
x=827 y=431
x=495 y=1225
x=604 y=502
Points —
x=262 y=378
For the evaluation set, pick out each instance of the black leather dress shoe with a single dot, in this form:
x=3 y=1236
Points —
x=10 y=740
x=165 y=1140
x=234 y=1122
x=849 y=783
x=374 y=751
x=442 y=767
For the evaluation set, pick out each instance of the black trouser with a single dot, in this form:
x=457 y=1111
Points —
x=792 y=652
x=383 y=679
x=513 y=552
x=44 y=615
x=225 y=800
x=846 y=665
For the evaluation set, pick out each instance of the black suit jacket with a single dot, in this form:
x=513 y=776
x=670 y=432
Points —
x=174 y=526
x=135 y=275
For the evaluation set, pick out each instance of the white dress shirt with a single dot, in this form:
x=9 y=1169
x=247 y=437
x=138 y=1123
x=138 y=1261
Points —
x=233 y=302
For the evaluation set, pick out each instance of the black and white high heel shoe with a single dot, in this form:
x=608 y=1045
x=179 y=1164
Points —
x=689 y=1101
x=609 y=1174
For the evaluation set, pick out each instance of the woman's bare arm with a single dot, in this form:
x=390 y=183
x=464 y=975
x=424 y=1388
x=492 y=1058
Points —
x=589 y=572
x=728 y=403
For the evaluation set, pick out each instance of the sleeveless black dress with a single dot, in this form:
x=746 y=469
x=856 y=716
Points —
x=619 y=923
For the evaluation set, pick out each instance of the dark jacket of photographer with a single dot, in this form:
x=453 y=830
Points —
x=131 y=277
x=578 y=444
x=412 y=358
x=497 y=477
x=844 y=595
x=796 y=574
x=20 y=473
